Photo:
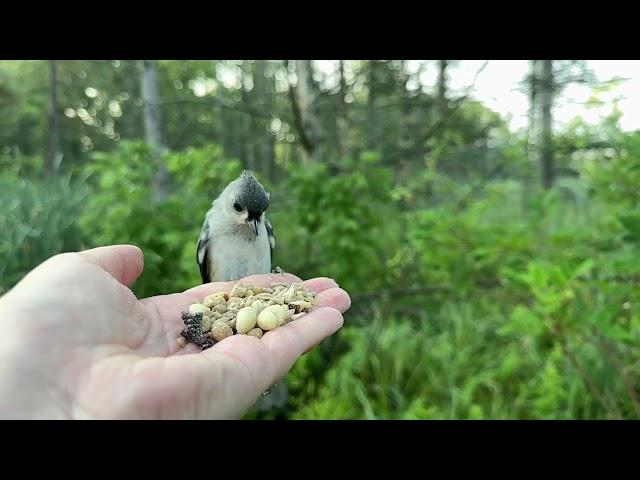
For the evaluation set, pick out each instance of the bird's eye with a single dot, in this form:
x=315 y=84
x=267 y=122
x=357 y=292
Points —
x=237 y=206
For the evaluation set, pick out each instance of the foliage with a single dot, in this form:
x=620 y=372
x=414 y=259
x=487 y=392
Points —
x=37 y=221
x=336 y=225
x=122 y=210
x=535 y=324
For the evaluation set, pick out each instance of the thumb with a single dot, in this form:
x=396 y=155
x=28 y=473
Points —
x=122 y=262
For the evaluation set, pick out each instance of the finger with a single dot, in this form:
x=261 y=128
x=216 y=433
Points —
x=319 y=284
x=263 y=362
x=237 y=370
x=287 y=343
x=122 y=262
x=335 y=298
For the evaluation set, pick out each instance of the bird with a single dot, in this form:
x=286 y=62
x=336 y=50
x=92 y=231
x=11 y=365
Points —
x=237 y=240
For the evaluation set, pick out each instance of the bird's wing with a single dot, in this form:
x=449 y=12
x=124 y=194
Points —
x=202 y=252
x=271 y=236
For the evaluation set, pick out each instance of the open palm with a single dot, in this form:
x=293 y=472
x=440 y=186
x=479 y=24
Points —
x=77 y=343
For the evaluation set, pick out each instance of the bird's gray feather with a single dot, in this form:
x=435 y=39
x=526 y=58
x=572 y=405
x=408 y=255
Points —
x=272 y=237
x=202 y=253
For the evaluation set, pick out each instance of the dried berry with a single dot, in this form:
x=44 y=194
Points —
x=220 y=331
x=257 y=290
x=256 y=332
x=206 y=323
x=220 y=308
x=193 y=330
x=239 y=290
x=301 y=306
x=217 y=298
x=289 y=294
x=235 y=303
x=198 y=308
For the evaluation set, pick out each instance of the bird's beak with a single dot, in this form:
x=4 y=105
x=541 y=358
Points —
x=254 y=226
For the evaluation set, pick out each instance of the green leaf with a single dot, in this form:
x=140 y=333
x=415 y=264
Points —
x=523 y=322
x=631 y=223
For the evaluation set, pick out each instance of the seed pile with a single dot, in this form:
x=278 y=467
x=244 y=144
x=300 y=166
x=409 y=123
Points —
x=245 y=310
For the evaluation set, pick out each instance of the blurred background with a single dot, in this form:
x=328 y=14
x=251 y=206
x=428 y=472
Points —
x=483 y=215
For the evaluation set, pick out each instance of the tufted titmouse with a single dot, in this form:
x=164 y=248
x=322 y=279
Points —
x=236 y=241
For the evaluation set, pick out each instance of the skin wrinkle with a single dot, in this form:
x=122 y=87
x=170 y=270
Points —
x=95 y=367
x=81 y=384
x=133 y=402
x=126 y=405
x=132 y=306
x=132 y=302
x=130 y=368
x=156 y=316
x=83 y=373
x=202 y=392
x=246 y=367
x=87 y=380
x=169 y=332
x=149 y=368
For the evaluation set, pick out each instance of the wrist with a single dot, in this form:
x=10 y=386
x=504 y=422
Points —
x=24 y=393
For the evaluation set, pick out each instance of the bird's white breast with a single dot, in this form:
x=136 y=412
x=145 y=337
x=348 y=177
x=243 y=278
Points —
x=235 y=257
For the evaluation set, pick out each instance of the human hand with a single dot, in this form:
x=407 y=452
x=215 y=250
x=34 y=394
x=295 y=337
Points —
x=75 y=343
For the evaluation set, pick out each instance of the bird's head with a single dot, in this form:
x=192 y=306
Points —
x=245 y=201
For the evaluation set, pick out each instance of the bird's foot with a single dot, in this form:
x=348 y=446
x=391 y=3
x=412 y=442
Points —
x=278 y=270
x=269 y=390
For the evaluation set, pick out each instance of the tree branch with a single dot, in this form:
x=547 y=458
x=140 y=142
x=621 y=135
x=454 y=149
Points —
x=212 y=101
x=417 y=289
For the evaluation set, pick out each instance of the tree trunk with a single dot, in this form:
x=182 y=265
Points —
x=530 y=144
x=546 y=103
x=372 y=114
x=442 y=86
x=531 y=128
x=262 y=128
x=342 y=118
x=53 y=155
x=262 y=99
x=247 y=136
x=404 y=133
x=303 y=102
x=153 y=127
